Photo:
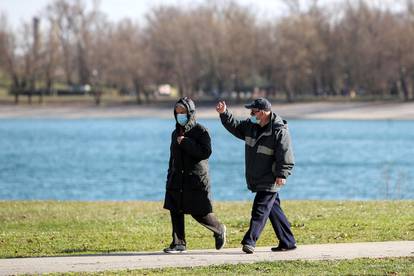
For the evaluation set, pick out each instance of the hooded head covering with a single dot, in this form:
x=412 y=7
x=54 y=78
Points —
x=190 y=106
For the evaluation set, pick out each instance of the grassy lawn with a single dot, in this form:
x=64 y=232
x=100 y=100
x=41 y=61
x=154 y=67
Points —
x=390 y=266
x=47 y=228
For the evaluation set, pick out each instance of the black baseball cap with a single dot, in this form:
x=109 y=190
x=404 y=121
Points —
x=260 y=103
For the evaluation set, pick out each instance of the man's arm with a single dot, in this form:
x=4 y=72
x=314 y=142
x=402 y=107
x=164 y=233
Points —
x=284 y=158
x=234 y=126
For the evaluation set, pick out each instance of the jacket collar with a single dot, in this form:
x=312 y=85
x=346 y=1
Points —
x=269 y=127
x=275 y=121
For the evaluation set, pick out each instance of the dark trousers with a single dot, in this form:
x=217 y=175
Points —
x=267 y=205
x=178 y=226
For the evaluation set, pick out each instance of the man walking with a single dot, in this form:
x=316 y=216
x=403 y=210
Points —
x=268 y=161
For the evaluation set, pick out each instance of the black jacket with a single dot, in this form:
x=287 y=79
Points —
x=268 y=155
x=188 y=183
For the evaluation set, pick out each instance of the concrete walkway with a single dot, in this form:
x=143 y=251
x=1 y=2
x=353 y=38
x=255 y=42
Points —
x=136 y=260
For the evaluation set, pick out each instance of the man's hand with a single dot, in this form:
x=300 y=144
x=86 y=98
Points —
x=280 y=181
x=221 y=107
x=179 y=139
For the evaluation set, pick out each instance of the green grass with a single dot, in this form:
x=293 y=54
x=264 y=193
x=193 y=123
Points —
x=61 y=228
x=389 y=266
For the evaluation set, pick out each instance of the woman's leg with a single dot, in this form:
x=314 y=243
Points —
x=178 y=228
x=211 y=222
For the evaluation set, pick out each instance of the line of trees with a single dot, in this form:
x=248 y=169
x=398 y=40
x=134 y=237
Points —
x=216 y=48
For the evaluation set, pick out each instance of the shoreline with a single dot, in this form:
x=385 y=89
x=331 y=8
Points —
x=309 y=110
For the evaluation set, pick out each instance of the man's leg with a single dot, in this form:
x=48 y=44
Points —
x=262 y=205
x=281 y=225
x=178 y=228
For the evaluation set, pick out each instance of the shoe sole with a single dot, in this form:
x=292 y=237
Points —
x=175 y=252
x=282 y=249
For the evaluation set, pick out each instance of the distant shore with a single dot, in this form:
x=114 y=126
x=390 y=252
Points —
x=309 y=110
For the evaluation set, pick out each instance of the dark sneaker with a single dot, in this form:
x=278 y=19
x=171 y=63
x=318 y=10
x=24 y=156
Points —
x=248 y=249
x=220 y=239
x=281 y=248
x=173 y=249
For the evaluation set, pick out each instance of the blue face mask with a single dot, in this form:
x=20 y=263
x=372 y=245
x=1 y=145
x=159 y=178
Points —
x=254 y=120
x=182 y=119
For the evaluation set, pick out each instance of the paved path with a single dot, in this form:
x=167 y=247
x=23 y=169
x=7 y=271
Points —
x=136 y=260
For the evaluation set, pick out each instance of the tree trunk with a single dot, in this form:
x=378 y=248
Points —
x=41 y=96
x=97 y=96
x=404 y=85
x=16 y=97
x=147 y=96
x=66 y=65
x=137 y=86
x=83 y=70
x=288 y=88
x=220 y=87
x=236 y=88
x=315 y=87
x=15 y=88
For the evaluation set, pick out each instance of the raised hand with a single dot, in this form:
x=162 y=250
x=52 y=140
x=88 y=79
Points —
x=221 y=107
x=280 y=181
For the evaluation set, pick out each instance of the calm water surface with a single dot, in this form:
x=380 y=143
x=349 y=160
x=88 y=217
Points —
x=126 y=159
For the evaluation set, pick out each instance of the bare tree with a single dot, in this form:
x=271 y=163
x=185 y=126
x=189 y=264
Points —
x=50 y=56
x=360 y=49
x=17 y=54
x=130 y=67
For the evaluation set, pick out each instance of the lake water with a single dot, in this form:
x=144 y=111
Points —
x=126 y=159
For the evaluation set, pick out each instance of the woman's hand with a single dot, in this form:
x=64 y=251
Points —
x=179 y=139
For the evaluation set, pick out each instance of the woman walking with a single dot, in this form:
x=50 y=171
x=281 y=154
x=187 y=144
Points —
x=188 y=182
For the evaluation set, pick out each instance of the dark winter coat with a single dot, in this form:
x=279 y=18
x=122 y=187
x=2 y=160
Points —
x=267 y=156
x=188 y=183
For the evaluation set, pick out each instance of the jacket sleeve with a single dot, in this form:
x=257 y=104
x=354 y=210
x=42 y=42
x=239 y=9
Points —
x=200 y=148
x=170 y=162
x=234 y=126
x=284 y=158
